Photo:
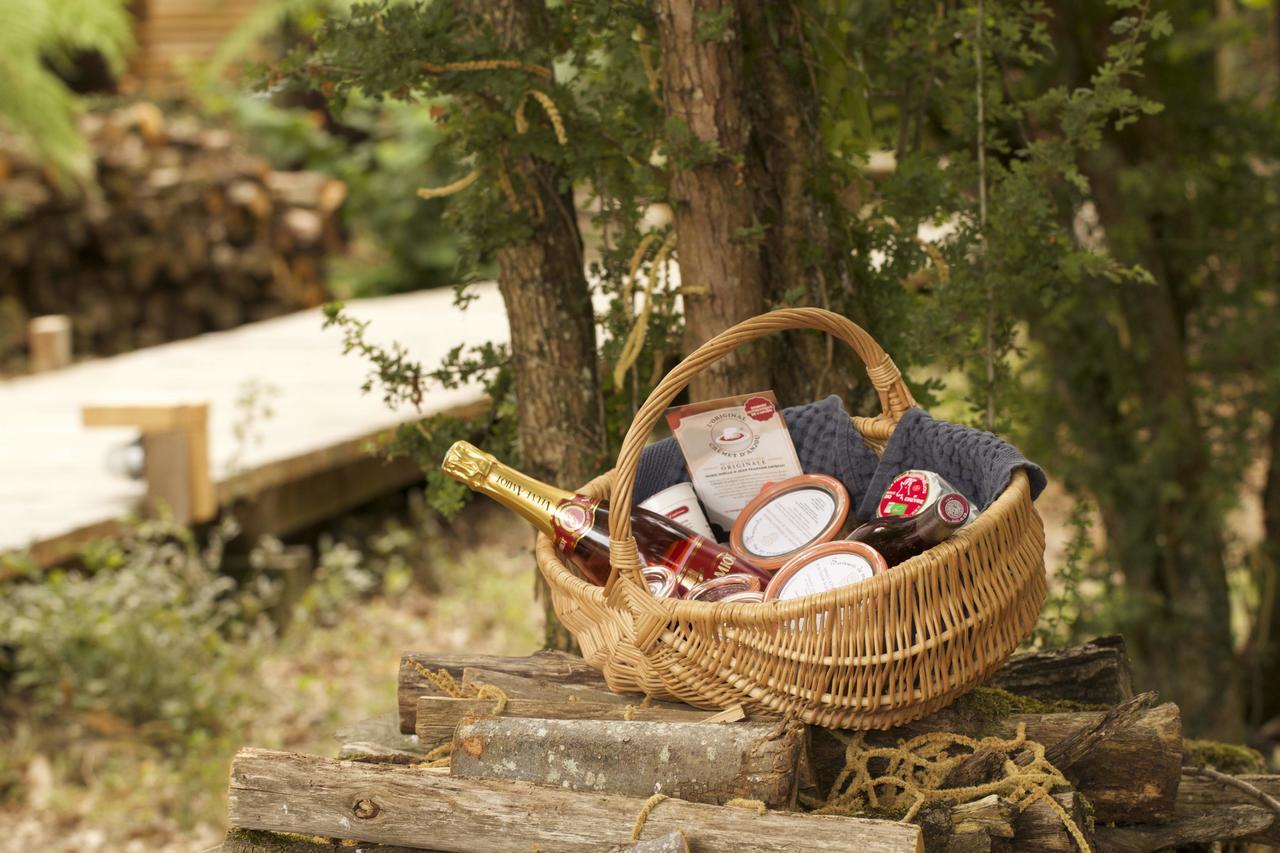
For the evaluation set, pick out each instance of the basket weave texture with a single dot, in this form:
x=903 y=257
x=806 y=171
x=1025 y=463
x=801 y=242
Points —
x=867 y=656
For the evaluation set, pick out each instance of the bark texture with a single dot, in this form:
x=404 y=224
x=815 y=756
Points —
x=698 y=762
x=1096 y=673
x=721 y=275
x=551 y=665
x=387 y=804
x=560 y=411
x=438 y=716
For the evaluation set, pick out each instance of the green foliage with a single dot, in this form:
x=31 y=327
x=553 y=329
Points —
x=148 y=633
x=34 y=103
x=402 y=380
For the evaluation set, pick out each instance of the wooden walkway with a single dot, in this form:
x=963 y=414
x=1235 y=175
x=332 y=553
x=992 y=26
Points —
x=56 y=489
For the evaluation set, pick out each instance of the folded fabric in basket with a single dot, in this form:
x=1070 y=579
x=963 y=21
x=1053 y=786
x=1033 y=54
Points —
x=977 y=463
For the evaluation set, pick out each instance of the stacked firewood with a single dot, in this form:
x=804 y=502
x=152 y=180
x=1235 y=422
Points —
x=183 y=232
x=536 y=753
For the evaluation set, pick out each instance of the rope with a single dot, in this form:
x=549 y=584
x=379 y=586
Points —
x=449 y=189
x=486 y=65
x=909 y=776
x=758 y=805
x=444 y=682
x=553 y=113
x=629 y=713
x=649 y=805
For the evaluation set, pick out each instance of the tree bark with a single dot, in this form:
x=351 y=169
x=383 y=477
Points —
x=553 y=665
x=1267 y=630
x=1096 y=673
x=386 y=804
x=559 y=408
x=439 y=716
x=721 y=276
x=698 y=762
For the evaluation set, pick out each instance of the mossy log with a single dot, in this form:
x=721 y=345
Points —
x=390 y=804
x=699 y=762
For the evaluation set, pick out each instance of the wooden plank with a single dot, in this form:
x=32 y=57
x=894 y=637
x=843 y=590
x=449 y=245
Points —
x=699 y=762
x=260 y=841
x=386 y=804
x=675 y=842
x=57 y=491
x=564 y=668
x=438 y=716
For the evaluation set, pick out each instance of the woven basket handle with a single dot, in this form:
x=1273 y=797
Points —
x=895 y=399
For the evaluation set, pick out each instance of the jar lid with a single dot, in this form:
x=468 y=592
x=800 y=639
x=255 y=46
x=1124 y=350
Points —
x=824 y=567
x=748 y=597
x=661 y=581
x=721 y=588
x=787 y=517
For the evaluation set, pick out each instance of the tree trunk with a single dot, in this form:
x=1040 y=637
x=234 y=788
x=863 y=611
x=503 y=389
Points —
x=543 y=282
x=786 y=158
x=721 y=276
x=1267 y=631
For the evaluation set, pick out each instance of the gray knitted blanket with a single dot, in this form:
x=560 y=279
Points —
x=977 y=463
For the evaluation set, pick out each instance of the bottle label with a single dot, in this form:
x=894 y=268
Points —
x=698 y=563
x=907 y=494
x=571 y=521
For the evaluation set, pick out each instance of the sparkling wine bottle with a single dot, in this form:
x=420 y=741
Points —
x=579 y=525
x=898 y=537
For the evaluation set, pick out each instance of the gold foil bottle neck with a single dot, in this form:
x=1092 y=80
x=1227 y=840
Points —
x=467 y=463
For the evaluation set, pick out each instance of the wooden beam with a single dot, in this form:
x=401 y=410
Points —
x=176 y=441
x=387 y=804
x=699 y=762
x=48 y=343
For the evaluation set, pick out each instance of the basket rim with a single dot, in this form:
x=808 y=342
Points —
x=766 y=613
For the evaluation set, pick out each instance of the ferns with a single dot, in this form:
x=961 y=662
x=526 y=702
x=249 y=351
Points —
x=34 y=103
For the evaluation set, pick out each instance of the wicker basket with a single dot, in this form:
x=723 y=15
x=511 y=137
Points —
x=871 y=655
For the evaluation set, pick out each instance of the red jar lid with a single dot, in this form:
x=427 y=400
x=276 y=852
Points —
x=721 y=588
x=824 y=567
x=788 y=517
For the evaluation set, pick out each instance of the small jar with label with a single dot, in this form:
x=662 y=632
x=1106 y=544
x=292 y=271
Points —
x=825 y=567
x=721 y=588
x=788 y=517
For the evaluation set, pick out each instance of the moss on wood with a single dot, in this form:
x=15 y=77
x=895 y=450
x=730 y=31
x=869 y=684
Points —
x=1224 y=757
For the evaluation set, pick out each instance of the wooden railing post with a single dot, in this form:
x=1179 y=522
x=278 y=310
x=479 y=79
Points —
x=175 y=440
